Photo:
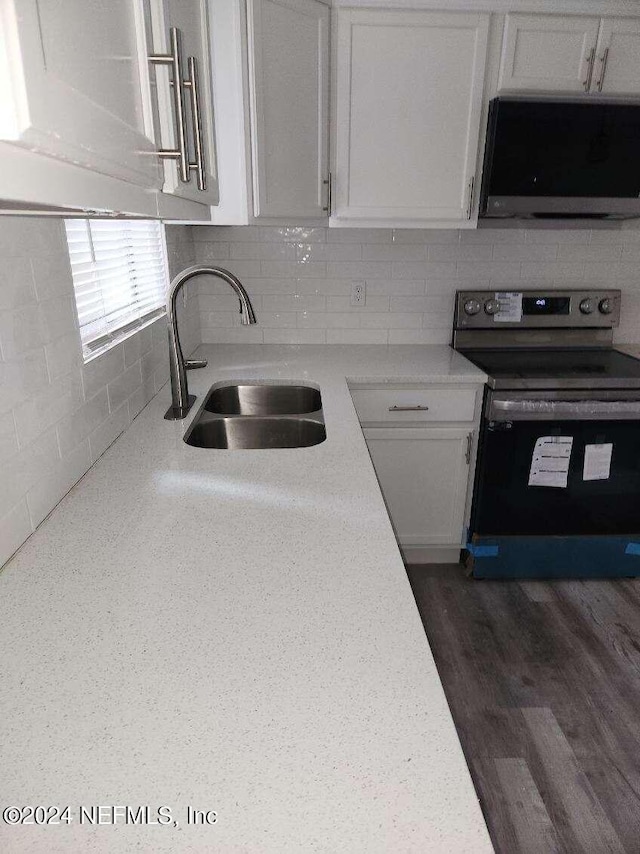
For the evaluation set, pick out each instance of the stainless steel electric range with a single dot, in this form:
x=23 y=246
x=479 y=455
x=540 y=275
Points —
x=557 y=488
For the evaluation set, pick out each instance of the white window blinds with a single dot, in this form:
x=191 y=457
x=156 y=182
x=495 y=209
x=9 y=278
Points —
x=119 y=276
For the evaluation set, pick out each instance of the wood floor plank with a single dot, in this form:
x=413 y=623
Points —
x=507 y=650
x=572 y=789
x=533 y=829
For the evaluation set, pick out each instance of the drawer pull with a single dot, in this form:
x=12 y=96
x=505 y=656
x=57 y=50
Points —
x=408 y=408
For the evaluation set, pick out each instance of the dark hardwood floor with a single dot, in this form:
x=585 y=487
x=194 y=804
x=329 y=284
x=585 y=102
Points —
x=543 y=681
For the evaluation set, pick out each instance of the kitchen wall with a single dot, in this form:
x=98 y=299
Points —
x=300 y=278
x=57 y=415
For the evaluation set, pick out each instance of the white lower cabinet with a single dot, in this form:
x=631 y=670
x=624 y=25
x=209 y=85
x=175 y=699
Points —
x=423 y=473
x=422 y=442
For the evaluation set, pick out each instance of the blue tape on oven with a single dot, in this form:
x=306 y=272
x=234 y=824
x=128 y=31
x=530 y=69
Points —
x=632 y=549
x=483 y=551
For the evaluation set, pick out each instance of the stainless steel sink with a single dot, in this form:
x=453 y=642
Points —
x=259 y=399
x=241 y=416
x=234 y=433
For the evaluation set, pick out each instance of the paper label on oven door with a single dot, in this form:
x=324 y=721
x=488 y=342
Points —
x=550 y=461
x=510 y=310
x=597 y=461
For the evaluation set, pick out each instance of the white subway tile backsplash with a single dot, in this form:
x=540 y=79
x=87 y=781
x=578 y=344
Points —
x=47 y=492
x=290 y=234
x=64 y=355
x=77 y=426
x=102 y=370
x=108 y=431
x=293 y=269
x=552 y=271
x=57 y=415
x=278 y=319
x=597 y=253
x=394 y=252
x=557 y=236
x=17 y=287
x=294 y=302
x=357 y=336
x=328 y=320
x=343 y=304
x=294 y=336
x=460 y=252
x=359 y=235
x=122 y=387
x=22 y=377
x=137 y=345
x=328 y=252
x=236 y=335
x=419 y=336
x=526 y=252
x=390 y=320
x=411 y=275
x=262 y=251
x=47 y=407
x=20 y=330
x=15 y=527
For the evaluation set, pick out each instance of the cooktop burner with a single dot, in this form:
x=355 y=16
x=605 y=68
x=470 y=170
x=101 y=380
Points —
x=575 y=368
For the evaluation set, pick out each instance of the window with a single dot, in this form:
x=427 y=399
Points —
x=119 y=276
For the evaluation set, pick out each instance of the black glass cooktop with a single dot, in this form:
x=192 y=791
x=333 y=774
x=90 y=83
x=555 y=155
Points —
x=575 y=368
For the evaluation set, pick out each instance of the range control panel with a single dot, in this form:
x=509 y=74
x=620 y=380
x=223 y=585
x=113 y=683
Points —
x=533 y=309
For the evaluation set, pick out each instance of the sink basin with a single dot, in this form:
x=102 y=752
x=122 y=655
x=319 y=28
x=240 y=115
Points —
x=255 y=399
x=243 y=433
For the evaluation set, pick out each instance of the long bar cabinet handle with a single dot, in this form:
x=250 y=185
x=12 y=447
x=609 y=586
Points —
x=590 y=63
x=174 y=59
x=418 y=408
x=193 y=85
x=603 y=70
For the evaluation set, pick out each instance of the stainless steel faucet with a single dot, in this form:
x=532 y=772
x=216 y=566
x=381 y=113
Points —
x=181 y=400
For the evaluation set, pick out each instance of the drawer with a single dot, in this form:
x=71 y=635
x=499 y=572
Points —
x=421 y=405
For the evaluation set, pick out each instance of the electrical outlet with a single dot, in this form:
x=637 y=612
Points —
x=358 y=293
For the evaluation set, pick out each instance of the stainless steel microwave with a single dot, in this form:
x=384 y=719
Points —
x=556 y=159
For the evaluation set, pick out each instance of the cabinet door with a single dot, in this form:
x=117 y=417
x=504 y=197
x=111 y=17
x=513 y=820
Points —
x=408 y=104
x=423 y=474
x=191 y=18
x=289 y=81
x=552 y=53
x=71 y=84
x=617 y=70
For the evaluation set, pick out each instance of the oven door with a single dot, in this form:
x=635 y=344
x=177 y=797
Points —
x=599 y=498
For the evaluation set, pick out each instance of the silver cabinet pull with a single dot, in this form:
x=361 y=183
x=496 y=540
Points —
x=327 y=184
x=470 y=207
x=590 y=64
x=408 y=408
x=174 y=59
x=603 y=69
x=193 y=85
x=469 y=448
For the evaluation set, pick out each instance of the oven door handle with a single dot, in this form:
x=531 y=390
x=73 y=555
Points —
x=503 y=409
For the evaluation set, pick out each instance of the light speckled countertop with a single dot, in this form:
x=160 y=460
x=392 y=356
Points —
x=233 y=631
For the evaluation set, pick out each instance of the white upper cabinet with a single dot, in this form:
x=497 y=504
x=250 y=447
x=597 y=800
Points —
x=548 y=52
x=617 y=70
x=191 y=123
x=288 y=43
x=571 y=53
x=70 y=84
x=408 y=102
